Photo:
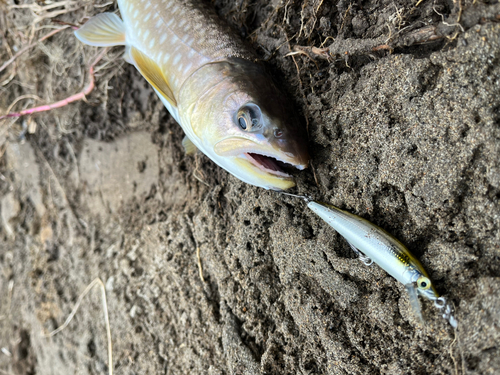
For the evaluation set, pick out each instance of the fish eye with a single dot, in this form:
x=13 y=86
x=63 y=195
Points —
x=249 y=117
x=423 y=283
x=242 y=121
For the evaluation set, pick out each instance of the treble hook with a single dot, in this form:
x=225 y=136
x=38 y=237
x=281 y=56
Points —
x=447 y=310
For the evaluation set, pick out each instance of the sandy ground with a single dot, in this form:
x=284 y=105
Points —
x=402 y=106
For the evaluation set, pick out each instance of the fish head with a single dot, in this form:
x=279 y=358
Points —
x=246 y=125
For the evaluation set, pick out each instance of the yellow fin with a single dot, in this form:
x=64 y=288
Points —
x=189 y=146
x=103 y=30
x=153 y=74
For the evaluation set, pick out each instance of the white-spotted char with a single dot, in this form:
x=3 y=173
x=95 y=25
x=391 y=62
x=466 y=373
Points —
x=227 y=104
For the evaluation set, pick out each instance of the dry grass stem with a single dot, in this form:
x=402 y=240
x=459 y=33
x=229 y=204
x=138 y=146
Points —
x=200 y=268
x=314 y=173
x=44 y=12
x=59 y=187
x=22 y=97
x=198 y=170
x=99 y=282
x=28 y=47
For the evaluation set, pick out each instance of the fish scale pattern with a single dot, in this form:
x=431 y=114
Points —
x=179 y=36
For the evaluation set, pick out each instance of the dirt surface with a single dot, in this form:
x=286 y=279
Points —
x=402 y=104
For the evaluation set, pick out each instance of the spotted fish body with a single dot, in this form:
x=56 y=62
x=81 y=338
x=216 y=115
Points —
x=178 y=37
x=226 y=104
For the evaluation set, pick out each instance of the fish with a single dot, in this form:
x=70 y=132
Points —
x=374 y=245
x=212 y=84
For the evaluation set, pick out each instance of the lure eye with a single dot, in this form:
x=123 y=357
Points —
x=249 y=117
x=423 y=283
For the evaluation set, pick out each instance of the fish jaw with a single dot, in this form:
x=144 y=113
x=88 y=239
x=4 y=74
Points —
x=260 y=163
x=256 y=160
x=247 y=162
x=259 y=154
x=254 y=174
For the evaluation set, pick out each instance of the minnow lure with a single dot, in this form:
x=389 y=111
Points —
x=374 y=245
x=226 y=103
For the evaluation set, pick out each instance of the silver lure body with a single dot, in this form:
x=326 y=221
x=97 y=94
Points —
x=385 y=250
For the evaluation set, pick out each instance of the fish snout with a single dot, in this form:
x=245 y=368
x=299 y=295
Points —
x=295 y=147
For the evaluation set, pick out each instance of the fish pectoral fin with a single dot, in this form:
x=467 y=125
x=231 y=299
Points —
x=126 y=56
x=153 y=74
x=103 y=30
x=189 y=146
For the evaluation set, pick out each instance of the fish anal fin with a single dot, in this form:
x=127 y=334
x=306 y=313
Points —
x=153 y=74
x=189 y=146
x=103 y=30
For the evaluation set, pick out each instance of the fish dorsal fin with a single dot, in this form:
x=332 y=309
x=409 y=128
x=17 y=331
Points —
x=189 y=146
x=153 y=74
x=103 y=30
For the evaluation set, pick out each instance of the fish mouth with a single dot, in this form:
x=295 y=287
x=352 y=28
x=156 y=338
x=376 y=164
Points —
x=259 y=162
x=262 y=156
x=270 y=164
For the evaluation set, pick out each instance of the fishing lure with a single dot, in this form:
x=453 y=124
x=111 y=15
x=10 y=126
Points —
x=374 y=245
x=226 y=103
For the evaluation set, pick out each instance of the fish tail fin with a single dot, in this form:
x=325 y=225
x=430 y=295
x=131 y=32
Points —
x=103 y=30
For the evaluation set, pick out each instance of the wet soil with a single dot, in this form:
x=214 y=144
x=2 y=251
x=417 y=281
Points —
x=207 y=275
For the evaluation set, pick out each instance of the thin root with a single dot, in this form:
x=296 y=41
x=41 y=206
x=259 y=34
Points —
x=73 y=98
x=450 y=24
x=314 y=173
x=302 y=19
